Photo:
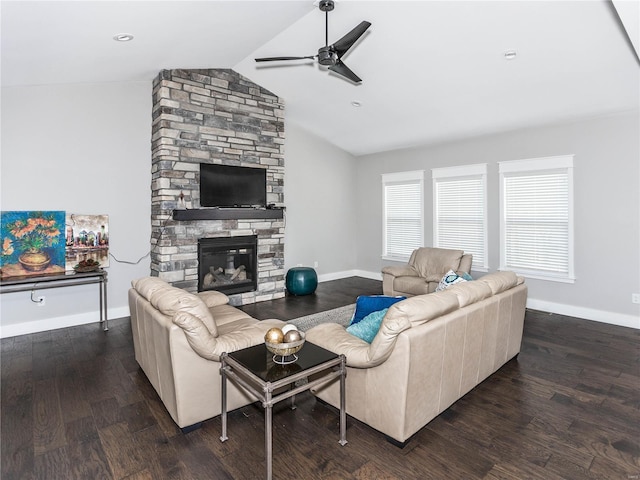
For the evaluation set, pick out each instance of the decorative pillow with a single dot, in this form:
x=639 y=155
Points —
x=450 y=278
x=368 y=327
x=366 y=304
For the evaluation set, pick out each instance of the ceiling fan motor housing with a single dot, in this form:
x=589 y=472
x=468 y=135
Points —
x=326 y=5
x=326 y=56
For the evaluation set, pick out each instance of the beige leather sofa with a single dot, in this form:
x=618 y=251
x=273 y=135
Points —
x=424 y=271
x=430 y=351
x=178 y=338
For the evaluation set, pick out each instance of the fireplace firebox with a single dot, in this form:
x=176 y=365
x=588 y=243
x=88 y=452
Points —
x=228 y=264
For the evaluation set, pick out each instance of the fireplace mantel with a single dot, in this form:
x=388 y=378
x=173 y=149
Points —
x=227 y=213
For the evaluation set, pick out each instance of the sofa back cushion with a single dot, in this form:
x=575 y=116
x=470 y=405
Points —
x=171 y=300
x=501 y=281
x=422 y=308
x=470 y=292
x=146 y=286
x=433 y=263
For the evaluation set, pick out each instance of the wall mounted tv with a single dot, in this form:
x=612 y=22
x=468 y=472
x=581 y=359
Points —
x=230 y=186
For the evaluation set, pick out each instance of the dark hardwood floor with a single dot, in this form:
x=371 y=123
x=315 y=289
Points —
x=75 y=405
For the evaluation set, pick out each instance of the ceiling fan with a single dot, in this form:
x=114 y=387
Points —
x=331 y=55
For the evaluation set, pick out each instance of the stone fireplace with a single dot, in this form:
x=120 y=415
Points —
x=215 y=116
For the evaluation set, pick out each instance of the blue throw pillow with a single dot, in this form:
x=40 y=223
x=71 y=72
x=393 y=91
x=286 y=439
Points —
x=368 y=327
x=366 y=304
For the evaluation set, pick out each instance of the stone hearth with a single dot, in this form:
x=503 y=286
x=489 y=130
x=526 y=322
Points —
x=213 y=116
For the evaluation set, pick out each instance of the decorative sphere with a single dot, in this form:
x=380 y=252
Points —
x=288 y=327
x=274 y=335
x=292 y=336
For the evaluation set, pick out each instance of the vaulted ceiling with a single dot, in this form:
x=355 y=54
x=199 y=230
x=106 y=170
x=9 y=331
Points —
x=432 y=71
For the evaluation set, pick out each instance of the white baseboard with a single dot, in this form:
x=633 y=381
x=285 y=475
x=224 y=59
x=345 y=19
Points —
x=612 y=318
x=349 y=273
x=36 y=326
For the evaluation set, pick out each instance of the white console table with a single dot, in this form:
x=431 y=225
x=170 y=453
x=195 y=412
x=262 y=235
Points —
x=67 y=279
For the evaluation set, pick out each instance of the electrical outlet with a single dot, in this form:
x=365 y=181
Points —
x=315 y=264
x=635 y=298
x=41 y=301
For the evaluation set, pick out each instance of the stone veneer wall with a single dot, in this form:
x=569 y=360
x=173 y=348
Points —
x=213 y=116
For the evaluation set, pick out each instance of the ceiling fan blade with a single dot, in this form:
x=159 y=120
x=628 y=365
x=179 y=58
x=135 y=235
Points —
x=345 y=43
x=341 y=69
x=277 y=59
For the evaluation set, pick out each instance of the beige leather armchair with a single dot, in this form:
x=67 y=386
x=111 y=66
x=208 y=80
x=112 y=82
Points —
x=424 y=271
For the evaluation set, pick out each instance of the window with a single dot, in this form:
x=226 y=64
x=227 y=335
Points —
x=403 y=216
x=536 y=225
x=459 y=211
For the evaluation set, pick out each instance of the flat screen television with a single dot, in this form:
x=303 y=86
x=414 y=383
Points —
x=230 y=186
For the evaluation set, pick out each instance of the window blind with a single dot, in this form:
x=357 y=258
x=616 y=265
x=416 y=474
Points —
x=459 y=211
x=537 y=223
x=403 y=214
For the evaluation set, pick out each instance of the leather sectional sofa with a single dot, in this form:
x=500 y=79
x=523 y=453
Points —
x=431 y=349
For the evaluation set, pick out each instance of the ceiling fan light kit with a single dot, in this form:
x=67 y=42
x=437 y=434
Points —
x=331 y=55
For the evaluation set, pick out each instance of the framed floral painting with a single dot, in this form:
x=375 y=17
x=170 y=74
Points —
x=86 y=240
x=32 y=243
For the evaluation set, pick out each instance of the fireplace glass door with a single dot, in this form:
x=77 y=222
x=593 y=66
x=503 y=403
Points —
x=227 y=264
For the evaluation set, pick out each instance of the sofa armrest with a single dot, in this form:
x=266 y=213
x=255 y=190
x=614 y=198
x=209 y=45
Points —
x=336 y=339
x=210 y=347
x=400 y=271
x=359 y=354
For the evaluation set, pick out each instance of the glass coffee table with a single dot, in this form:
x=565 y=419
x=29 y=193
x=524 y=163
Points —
x=253 y=369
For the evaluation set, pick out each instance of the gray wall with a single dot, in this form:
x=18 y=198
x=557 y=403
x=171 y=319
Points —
x=607 y=207
x=87 y=149
x=83 y=149
x=320 y=195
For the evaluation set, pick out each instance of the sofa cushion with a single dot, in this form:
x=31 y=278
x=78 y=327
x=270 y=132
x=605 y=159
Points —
x=411 y=285
x=422 y=308
x=146 y=286
x=228 y=314
x=213 y=298
x=500 y=281
x=171 y=300
x=470 y=292
x=433 y=263
x=368 y=327
x=366 y=304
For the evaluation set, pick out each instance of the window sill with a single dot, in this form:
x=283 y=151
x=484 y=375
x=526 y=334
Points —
x=540 y=276
x=396 y=259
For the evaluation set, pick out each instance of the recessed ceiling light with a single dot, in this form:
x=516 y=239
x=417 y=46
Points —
x=123 y=37
x=510 y=54
x=356 y=104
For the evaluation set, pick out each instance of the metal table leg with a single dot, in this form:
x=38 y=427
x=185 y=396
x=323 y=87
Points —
x=343 y=410
x=223 y=389
x=268 y=434
x=104 y=319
